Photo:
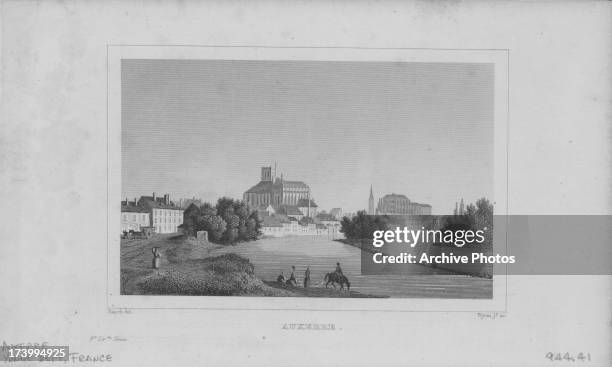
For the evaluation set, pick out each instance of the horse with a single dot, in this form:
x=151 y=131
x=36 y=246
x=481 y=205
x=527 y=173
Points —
x=335 y=278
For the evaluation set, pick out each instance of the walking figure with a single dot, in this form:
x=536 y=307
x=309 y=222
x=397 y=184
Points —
x=156 y=257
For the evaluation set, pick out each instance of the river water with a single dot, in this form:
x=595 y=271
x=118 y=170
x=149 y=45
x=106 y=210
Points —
x=273 y=255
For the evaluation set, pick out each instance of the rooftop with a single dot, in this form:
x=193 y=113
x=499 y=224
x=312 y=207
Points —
x=289 y=210
x=263 y=187
x=295 y=184
x=157 y=204
x=133 y=209
x=271 y=221
x=303 y=203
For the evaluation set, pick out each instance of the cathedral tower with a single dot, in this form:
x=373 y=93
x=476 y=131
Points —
x=266 y=174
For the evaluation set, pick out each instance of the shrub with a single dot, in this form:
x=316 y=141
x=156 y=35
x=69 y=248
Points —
x=228 y=222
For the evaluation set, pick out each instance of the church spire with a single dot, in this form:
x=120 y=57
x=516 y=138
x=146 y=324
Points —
x=371 y=202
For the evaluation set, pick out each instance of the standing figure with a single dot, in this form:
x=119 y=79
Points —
x=156 y=257
x=292 y=281
x=307 y=277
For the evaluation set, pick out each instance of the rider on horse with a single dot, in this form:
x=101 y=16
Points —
x=337 y=277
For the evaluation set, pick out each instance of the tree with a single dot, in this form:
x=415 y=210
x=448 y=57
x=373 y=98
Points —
x=346 y=227
x=242 y=223
x=229 y=221
x=477 y=217
x=214 y=225
x=190 y=219
x=362 y=225
x=483 y=218
x=253 y=226
x=208 y=209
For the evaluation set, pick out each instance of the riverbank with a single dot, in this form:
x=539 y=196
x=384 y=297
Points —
x=187 y=268
x=471 y=270
x=191 y=267
x=322 y=291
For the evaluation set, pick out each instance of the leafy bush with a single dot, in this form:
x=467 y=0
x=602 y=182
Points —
x=224 y=275
x=229 y=263
x=362 y=225
x=230 y=221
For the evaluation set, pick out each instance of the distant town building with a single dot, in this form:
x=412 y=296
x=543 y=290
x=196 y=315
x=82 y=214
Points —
x=309 y=209
x=185 y=202
x=336 y=213
x=371 y=202
x=290 y=211
x=133 y=217
x=327 y=220
x=399 y=204
x=165 y=215
x=349 y=215
x=280 y=224
x=459 y=208
x=271 y=226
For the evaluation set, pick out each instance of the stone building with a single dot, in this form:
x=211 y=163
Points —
x=277 y=192
x=336 y=213
x=133 y=217
x=399 y=204
x=165 y=215
x=309 y=209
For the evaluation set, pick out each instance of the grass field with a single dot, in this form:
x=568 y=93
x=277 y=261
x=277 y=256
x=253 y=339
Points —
x=187 y=269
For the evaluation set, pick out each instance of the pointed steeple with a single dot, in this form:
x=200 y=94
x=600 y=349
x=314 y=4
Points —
x=371 y=202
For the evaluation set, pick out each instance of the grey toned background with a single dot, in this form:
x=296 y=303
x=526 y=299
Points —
x=204 y=127
x=541 y=245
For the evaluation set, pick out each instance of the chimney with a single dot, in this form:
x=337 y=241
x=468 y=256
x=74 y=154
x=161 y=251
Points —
x=153 y=197
x=135 y=202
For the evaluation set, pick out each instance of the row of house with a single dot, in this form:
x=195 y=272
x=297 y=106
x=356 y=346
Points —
x=161 y=215
x=279 y=222
x=153 y=212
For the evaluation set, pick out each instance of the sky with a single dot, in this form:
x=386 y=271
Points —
x=204 y=129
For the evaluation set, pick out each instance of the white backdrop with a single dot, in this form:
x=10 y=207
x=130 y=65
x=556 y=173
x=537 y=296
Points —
x=54 y=180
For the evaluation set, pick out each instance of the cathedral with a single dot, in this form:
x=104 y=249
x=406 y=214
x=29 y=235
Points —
x=277 y=191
